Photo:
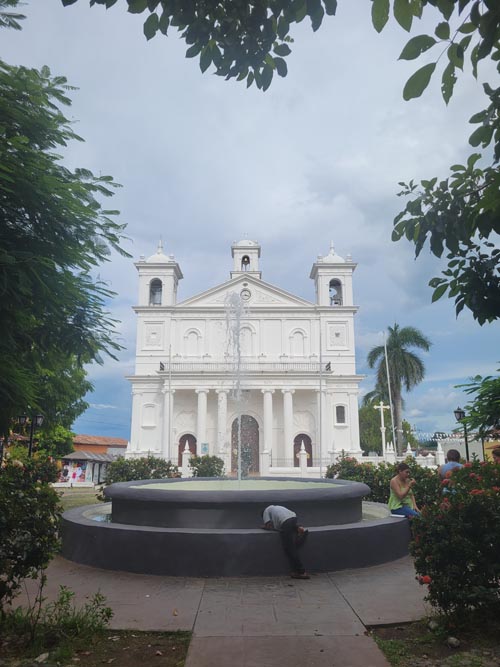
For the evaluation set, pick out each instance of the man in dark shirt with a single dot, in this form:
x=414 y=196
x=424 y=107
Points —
x=292 y=535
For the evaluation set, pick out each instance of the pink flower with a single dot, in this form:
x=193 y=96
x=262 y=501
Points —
x=477 y=492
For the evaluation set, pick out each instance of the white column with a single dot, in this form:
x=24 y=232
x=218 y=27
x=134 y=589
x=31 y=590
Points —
x=201 y=425
x=268 y=419
x=221 y=421
x=136 y=426
x=331 y=446
x=165 y=431
x=288 y=424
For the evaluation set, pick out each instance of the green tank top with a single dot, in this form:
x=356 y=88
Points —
x=395 y=503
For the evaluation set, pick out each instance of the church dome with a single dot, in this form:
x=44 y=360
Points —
x=245 y=243
x=332 y=256
x=159 y=257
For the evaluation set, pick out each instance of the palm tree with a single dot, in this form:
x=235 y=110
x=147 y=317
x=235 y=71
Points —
x=406 y=369
x=10 y=19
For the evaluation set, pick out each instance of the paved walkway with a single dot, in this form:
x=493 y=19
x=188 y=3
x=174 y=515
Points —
x=258 y=621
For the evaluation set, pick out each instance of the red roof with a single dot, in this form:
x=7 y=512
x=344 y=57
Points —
x=102 y=440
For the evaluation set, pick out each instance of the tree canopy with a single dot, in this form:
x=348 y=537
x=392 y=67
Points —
x=53 y=233
x=459 y=215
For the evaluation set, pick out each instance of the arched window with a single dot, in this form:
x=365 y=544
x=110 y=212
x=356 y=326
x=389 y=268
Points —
x=189 y=440
x=247 y=336
x=335 y=291
x=245 y=263
x=297 y=343
x=155 y=290
x=192 y=343
x=340 y=414
x=297 y=445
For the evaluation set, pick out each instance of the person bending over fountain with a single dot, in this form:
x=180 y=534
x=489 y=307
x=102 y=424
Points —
x=401 y=499
x=292 y=535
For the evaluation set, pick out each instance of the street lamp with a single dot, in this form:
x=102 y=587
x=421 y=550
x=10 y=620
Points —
x=459 y=416
x=35 y=422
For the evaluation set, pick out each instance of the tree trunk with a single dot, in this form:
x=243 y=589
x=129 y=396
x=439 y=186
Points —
x=398 y=419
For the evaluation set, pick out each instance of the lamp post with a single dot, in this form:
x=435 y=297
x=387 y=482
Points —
x=459 y=416
x=35 y=422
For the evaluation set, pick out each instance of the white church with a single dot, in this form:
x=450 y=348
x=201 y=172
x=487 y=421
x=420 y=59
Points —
x=298 y=403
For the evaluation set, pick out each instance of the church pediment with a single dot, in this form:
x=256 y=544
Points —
x=254 y=292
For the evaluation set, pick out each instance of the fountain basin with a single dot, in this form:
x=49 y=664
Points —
x=233 y=549
x=229 y=504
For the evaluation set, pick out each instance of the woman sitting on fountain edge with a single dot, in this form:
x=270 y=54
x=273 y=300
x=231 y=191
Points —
x=292 y=535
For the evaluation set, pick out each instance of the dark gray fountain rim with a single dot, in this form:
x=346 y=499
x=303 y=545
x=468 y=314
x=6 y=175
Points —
x=128 y=490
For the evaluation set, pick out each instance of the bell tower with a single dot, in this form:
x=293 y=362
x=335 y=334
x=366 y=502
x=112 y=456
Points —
x=332 y=277
x=245 y=258
x=159 y=277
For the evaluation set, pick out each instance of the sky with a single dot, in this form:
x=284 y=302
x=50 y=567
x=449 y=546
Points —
x=317 y=158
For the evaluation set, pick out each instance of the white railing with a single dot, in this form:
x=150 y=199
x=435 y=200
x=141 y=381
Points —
x=244 y=367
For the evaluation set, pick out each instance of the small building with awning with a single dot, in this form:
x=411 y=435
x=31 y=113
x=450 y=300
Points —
x=83 y=468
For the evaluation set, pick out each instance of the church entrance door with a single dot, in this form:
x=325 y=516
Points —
x=297 y=444
x=249 y=445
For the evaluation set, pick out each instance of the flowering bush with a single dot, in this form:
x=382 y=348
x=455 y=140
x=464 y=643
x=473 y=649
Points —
x=456 y=542
x=29 y=519
x=378 y=478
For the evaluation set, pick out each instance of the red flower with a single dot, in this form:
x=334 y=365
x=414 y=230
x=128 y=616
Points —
x=445 y=482
x=425 y=579
x=495 y=488
x=468 y=464
x=477 y=492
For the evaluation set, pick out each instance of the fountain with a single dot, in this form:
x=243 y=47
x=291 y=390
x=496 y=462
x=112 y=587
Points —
x=210 y=527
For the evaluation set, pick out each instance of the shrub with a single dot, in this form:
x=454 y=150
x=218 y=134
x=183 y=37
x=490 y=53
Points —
x=456 y=543
x=378 y=478
x=207 y=466
x=147 y=467
x=29 y=521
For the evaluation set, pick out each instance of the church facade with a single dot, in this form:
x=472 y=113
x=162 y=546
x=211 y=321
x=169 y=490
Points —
x=293 y=362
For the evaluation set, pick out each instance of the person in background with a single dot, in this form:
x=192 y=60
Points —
x=496 y=455
x=452 y=462
x=401 y=499
x=292 y=535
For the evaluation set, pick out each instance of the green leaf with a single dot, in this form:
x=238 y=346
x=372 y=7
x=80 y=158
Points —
x=283 y=28
x=456 y=55
x=467 y=28
x=194 y=50
x=281 y=66
x=439 y=291
x=380 y=14
x=205 y=58
x=416 y=46
x=443 y=30
x=282 y=50
x=403 y=13
x=446 y=7
x=479 y=117
x=330 y=7
x=151 y=25
x=448 y=81
x=418 y=82
x=137 y=6
x=482 y=135
x=267 y=77
x=164 y=23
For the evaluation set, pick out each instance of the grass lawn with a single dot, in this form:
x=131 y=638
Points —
x=77 y=497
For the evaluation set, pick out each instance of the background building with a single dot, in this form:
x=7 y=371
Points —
x=296 y=364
